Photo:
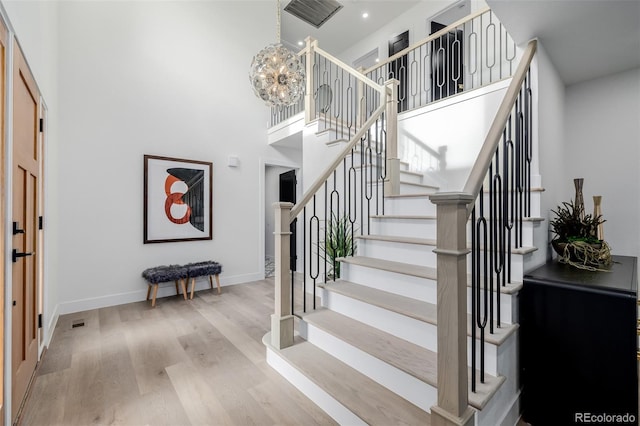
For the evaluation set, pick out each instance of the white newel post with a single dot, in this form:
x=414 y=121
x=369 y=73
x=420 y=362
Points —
x=309 y=104
x=282 y=319
x=392 y=183
x=453 y=398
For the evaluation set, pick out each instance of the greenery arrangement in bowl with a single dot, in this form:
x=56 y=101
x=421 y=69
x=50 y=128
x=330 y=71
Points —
x=576 y=238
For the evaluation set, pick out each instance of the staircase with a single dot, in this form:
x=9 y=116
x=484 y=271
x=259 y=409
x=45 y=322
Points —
x=421 y=325
x=368 y=355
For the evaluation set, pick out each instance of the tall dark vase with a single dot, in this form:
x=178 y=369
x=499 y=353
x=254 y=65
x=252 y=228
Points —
x=579 y=202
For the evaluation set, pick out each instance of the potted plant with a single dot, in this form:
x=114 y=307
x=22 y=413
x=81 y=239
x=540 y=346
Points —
x=576 y=238
x=338 y=243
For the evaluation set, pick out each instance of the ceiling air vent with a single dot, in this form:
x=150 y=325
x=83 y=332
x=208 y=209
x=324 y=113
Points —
x=314 y=12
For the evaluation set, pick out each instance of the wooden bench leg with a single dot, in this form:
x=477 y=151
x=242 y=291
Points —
x=155 y=293
x=183 y=284
x=193 y=287
x=218 y=282
x=211 y=282
x=148 y=290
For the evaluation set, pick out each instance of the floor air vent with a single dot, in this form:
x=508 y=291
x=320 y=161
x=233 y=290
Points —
x=314 y=12
x=77 y=323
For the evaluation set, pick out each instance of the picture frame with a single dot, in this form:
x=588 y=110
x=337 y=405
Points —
x=178 y=200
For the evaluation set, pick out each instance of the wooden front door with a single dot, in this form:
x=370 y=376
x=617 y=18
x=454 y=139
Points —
x=398 y=69
x=3 y=49
x=26 y=168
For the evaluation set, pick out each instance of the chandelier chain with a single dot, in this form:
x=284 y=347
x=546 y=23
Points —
x=278 y=15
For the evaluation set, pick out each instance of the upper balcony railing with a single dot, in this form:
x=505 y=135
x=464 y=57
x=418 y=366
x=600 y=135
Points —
x=470 y=53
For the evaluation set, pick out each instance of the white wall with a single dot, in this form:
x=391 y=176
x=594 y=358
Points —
x=414 y=20
x=460 y=123
x=602 y=130
x=163 y=78
x=548 y=156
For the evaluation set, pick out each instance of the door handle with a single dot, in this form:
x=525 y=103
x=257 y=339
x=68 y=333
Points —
x=16 y=254
x=16 y=229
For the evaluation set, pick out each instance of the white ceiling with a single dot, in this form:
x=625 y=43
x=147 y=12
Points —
x=585 y=39
x=347 y=26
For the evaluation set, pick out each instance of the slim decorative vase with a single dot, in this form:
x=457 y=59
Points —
x=597 y=211
x=579 y=203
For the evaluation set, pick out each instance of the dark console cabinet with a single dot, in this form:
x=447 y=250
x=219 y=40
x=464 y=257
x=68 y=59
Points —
x=578 y=344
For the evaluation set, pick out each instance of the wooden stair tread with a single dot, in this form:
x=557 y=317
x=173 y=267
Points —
x=416 y=195
x=420 y=185
x=370 y=401
x=413 y=308
x=414 y=360
x=391 y=266
x=403 y=217
x=433 y=217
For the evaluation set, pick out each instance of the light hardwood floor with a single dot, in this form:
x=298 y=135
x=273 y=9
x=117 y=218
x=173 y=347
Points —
x=198 y=362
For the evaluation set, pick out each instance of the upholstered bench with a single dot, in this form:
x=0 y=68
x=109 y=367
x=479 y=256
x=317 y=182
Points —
x=163 y=274
x=203 y=269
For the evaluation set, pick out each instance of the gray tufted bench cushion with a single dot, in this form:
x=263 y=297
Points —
x=207 y=268
x=161 y=274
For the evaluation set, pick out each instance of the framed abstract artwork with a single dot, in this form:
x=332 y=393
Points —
x=177 y=200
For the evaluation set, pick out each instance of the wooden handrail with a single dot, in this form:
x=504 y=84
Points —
x=428 y=39
x=309 y=193
x=358 y=75
x=481 y=166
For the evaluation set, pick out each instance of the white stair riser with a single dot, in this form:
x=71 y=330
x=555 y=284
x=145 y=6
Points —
x=405 y=285
x=413 y=189
x=422 y=255
x=416 y=254
x=508 y=306
x=322 y=399
x=535 y=204
x=410 y=177
x=407 y=328
x=405 y=175
x=417 y=228
x=494 y=413
x=413 y=390
x=411 y=206
x=419 y=288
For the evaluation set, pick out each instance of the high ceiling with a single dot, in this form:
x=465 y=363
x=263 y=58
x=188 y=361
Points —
x=585 y=39
x=347 y=26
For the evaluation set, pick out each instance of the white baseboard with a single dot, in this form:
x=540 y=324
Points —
x=168 y=289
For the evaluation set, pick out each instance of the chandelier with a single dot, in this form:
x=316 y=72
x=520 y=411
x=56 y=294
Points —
x=276 y=73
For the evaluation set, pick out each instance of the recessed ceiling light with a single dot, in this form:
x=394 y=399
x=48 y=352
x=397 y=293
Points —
x=377 y=59
x=300 y=43
x=365 y=15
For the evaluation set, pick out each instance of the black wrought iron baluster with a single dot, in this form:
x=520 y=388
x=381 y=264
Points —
x=326 y=203
x=528 y=129
x=314 y=220
x=510 y=188
x=457 y=71
x=304 y=259
x=369 y=182
x=498 y=234
x=474 y=281
x=353 y=213
x=334 y=223
x=491 y=245
x=363 y=177
x=482 y=288
x=518 y=173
